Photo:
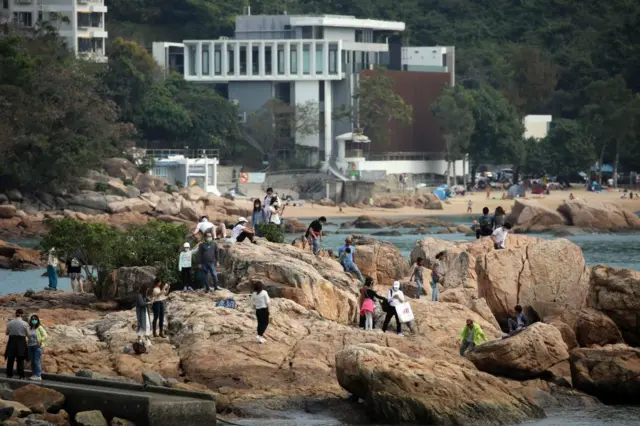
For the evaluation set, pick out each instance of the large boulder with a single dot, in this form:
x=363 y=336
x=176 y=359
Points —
x=7 y=211
x=315 y=283
x=381 y=261
x=294 y=226
x=89 y=199
x=90 y=418
x=38 y=399
x=551 y=271
x=598 y=215
x=124 y=283
x=468 y=297
x=397 y=388
x=616 y=292
x=527 y=214
x=120 y=168
x=149 y=183
x=524 y=355
x=15 y=257
x=129 y=205
x=611 y=373
x=457 y=264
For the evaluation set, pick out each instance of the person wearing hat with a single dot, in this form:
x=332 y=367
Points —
x=184 y=265
x=242 y=231
x=52 y=269
x=394 y=298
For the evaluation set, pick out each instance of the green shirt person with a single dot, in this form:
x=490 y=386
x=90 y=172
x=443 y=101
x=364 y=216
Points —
x=471 y=336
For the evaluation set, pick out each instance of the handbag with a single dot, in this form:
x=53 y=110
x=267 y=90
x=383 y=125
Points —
x=405 y=314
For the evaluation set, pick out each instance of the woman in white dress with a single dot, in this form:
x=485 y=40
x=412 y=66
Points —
x=142 y=314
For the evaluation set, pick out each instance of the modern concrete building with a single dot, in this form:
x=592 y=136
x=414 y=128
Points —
x=80 y=22
x=170 y=56
x=536 y=126
x=187 y=168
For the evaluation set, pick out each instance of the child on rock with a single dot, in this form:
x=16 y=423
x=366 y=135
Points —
x=368 y=303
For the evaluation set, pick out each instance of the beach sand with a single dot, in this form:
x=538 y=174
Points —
x=456 y=207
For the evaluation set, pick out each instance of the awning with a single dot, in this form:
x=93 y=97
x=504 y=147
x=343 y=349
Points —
x=353 y=137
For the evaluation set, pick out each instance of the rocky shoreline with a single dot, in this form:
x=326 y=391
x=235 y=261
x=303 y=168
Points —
x=316 y=355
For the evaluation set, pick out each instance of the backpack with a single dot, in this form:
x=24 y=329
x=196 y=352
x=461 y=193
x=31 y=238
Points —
x=139 y=348
x=485 y=223
x=229 y=303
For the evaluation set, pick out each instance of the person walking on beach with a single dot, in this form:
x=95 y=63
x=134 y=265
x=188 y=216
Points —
x=16 y=350
x=314 y=234
x=417 y=274
x=436 y=275
x=184 y=266
x=142 y=315
x=368 y=305
x=394 y=298
x=159 y=295
x=499 y=236
x=36 y=342
x=470 y=206
x=52 y=269
x=485 y=224
x=470 y=336
x=208 y=258
x=261 y=302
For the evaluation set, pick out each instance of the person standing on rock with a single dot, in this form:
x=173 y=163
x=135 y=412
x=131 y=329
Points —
x=74 y=268
x=314 y=234
x=485 y=224
x=499 y=236
x=36 y=342
x=471 y=336
x=436 y=275
x=208 y=258
x=184 y=266
x=16 y=351
x=394 y=298
x=368 y=303
x=159 y=294
x=52 y=269
x=261 y=302
x=417 y=274
x=142 y=315
x=258 y=216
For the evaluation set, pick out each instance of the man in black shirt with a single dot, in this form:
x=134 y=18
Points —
x=314 y=233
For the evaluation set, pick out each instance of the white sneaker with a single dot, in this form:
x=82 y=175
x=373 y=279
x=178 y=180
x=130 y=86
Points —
x=185 y=289
x=400 y=335
x=261 y=340
x=190 y=289
x=258 y=339
x=35 y=378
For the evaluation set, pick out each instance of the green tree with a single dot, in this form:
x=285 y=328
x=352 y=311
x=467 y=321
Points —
x=568 y=148
x=55 y=124
x=161 y=118
x=498 y=135
x=453 y=111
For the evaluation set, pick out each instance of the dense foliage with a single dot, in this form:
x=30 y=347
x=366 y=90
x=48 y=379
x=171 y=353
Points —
x=101 y=248
x=271 y=232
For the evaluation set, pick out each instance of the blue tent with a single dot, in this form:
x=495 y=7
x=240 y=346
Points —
x=606 y=168
x=441 y=192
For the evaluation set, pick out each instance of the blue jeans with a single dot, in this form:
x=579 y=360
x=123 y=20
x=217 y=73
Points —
x=52 y=273
x=210 y=268
x=434 y=289
x=316 y=246
x=352 y=267
x=466 y=345
x=419 y=285
x=35 y=356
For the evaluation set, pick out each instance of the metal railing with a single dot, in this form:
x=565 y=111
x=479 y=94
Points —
x=413 y=156
x=189 y=153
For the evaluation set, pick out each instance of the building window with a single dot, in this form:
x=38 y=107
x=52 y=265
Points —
x=5 y=4
x=192 y=60
x=243 y=60
x=217 y=61
x=306 y=59
x=40 y=16
x=160 y=171
x=333 y=59
x=23 y=19
x=280 y=60
x=268 y=54
x=205 y=60
x=294 y=61
x=321 y=91
x=230 y=60
x=90 y=45
x=444 y=59
x=319 y=59
x=307 y=32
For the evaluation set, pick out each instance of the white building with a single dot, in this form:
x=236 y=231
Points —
x=187 y=168
x=536 y=126
x=85 y=31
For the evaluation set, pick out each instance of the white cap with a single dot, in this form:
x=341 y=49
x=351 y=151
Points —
x=396 y=285
x=186 y=245
x=242 y=219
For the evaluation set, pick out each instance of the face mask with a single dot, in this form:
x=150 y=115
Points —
x=209 y=239
x=34 y=322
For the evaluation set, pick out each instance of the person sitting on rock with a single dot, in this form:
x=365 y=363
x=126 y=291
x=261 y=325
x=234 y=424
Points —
x=349 y=265
x=242 y=231
x=485 y=224
x=471 y=336
x=519 y=323
x=368 y=303
x=499 y=236
x=205 y=226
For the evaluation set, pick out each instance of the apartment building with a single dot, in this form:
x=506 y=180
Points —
x=81 y=23
x=320 y=59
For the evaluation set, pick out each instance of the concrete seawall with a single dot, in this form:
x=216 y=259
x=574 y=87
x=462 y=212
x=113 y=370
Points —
x=143 y=405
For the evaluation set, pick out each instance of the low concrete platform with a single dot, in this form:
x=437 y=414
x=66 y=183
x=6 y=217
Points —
x=143 y=405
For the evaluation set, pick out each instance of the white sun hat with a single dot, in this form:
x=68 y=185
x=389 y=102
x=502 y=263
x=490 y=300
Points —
x=242 y=219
